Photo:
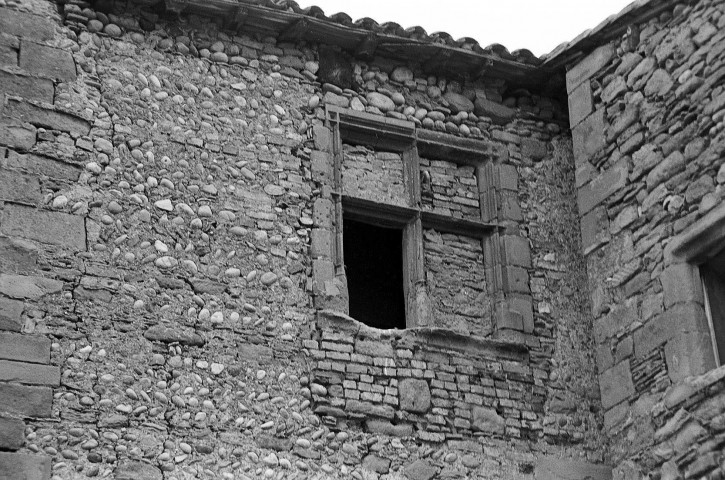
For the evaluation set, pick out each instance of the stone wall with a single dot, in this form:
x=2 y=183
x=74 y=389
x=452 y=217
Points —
x=457 y=283
x=450 y=189
x=161 y=228
x=373 y=175
x=646 y=116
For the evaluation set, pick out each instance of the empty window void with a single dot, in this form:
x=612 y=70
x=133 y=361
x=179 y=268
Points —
x=713 y=278
x=374 y=269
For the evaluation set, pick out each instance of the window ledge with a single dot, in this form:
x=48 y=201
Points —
x=439 y=338
x=700 y=240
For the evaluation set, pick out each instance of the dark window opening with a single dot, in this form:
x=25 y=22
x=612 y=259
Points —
x=713 y=279
x=374 y=270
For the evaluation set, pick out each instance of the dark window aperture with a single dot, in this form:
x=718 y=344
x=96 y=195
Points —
x=713 y=279
x=374 y=269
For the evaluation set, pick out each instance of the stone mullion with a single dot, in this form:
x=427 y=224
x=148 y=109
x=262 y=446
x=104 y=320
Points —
x=339 y=256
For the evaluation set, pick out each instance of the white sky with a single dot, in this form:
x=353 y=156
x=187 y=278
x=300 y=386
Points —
x=538 y=25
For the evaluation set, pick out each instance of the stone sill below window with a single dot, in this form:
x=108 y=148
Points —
x=437 y=338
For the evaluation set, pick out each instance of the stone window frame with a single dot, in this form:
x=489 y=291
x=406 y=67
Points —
x=690 y=346
x=506 y=254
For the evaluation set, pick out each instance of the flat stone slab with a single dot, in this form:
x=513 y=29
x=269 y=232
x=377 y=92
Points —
x=26 y=401
x=26 y=467
x=54 y=228
x=135 y=470
x=165 y=334
x=561 y=469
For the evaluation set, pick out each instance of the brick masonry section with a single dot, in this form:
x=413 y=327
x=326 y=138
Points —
x=450 y=189
x=373 y=175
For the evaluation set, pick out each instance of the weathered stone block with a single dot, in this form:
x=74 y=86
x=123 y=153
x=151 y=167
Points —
x=45 y=117
x=602 y=186
x=10 y=311
x=19 y=466
x=689 y=354
x=137 y=470
x=378 y=349
x=523 y=305
x=322 y=213
x=414 y=395
x=368 y=409
x=516 y=250
x=47 y=62
x=32 y=88
x=35 y=164
x=382 y=427
x=681 y=283
x=595 y=229
x=18 y=256
x=25 y=25
x=26 y=401
x=581 y=104
x=616 y=385
x=17 y=187
x=9 y=46
x=533 y=149
x=679 y=319
x=19 y=137
x=168 y=334
x=589 y=136
x=499 y=114
x=509 y=207
x=322 y=137
x=487 y=420
x=621 y=122
x=376 y=464
x=24 y=348
x=321 y=241
x=548 y=468
x=673 y=164
x=54 y=228
x=658 y=84
x=25 y=287
x=616 y=87
x=586 y=68
x=29 y=373
x=420 y=470
x=509 y=177
x=323 y=272
x=515 y=279
x=12 y=433
x=620 y=318
x=509 y=320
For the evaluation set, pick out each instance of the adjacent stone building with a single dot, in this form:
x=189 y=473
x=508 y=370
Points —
x=241 y=239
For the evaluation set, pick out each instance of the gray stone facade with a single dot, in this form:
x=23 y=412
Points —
x=173 y=294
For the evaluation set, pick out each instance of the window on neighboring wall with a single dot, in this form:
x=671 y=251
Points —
x=713 y=280
x=695 y=276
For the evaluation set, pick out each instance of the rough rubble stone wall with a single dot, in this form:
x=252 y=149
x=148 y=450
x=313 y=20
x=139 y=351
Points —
x=451 y=189
x=372 y=175
x=647 y=118
x=456 y=283
x=156 y=255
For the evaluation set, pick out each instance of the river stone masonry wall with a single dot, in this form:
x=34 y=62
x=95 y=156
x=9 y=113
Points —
x=646 y=118
x=157 y=267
